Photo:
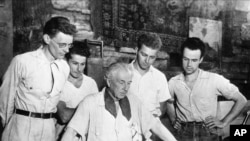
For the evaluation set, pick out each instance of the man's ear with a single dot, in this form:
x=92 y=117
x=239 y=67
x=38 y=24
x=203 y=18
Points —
x=46 y=38
x=136 y=51
x=108 y=82
x=201 y=59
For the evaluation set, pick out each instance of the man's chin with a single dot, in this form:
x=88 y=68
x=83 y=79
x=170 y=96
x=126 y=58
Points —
x=189 y=72
x=60 y=57
x=75 y=75
x=145 y=68
x=122 y=95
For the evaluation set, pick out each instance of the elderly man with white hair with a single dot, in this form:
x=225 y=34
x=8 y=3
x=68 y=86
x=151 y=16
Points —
x=113 y=114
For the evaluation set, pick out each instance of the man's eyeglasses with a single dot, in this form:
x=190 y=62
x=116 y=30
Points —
x=63 y=45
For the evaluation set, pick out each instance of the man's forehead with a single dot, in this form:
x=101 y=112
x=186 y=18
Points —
x=188 y=53
x=148 y=51
x=122 y=74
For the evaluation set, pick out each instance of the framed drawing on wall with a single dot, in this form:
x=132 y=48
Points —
x=210 y=32
x=96 y=48
x=2 y=3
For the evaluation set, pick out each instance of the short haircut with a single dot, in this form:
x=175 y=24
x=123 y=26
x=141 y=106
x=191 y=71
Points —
x=59 y=24
x=79 y=48
x=194 y=43
x=115 y=67
x=151 y=40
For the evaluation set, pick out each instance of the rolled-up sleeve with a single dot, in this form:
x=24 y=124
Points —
x=226 y=88
x=163 y=94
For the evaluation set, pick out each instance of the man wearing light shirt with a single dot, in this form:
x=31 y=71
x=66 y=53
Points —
x=113 y=114
x=195 y=92
x=32 y=85
x=149 y=84
x=77 y=86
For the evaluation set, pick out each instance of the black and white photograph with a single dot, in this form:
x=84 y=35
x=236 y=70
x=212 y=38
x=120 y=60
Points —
x=124 y=70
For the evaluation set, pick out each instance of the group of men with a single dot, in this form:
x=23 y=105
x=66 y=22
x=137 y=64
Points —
x=48 y=83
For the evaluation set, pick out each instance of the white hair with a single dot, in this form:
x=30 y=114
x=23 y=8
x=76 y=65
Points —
x=115 y=67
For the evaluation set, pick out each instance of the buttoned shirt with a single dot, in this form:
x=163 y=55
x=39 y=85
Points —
x=93 y=119
x=201 y=101
x=29 y=85
x=151 y=88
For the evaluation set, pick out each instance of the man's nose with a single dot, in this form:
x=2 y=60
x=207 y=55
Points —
x=189 y=63
x=126 y=87
x=147 y=60
x=79 y=68
x=66 y=49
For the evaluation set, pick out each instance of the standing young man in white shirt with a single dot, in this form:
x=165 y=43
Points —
x=149 y=84
x=195 y=93
x=32 y=85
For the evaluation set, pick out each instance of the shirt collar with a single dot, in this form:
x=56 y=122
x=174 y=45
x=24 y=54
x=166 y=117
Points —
x=40 y=54
x=202 y=75
x=110 y=105
x=134 y=69
x=101 y=97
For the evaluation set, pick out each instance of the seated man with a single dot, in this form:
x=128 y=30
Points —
x=196 y=92
x=113 y=114
x=77 y=86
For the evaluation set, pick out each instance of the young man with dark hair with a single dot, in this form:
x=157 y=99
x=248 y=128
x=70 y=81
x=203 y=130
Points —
x=77 y=86
x=195 y=92
x=32 y=85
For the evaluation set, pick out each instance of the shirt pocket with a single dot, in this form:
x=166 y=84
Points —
x=28 y=83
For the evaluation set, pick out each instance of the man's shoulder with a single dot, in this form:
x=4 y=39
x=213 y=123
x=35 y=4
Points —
x=93 y=97
x=24 y=58
x=209 y=75
x=157 y=72
x=25 y=55
x=88 y=78
x=176 y=77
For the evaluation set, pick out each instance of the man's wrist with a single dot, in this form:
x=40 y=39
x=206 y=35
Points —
x=174 y=121
x=224 y=123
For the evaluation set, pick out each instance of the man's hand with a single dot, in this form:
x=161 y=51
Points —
x=212 y=122
x=214 y=125
x=177 y=124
